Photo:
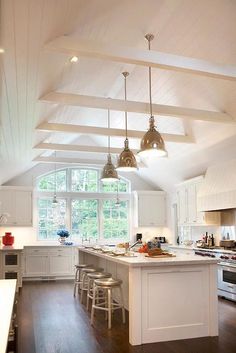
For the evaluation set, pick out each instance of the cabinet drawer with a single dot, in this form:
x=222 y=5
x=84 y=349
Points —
x=61 y=251
x=36 y=251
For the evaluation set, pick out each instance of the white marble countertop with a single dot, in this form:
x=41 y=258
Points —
x=185 y=247
x=13 y=247
x=7 y=295
x=36 y=245
x=141 y=260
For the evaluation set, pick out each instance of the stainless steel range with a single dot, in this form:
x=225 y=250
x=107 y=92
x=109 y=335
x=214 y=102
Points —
x=226 y=271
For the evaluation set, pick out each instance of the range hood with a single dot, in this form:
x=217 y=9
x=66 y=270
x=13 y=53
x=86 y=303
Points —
x=218 y=189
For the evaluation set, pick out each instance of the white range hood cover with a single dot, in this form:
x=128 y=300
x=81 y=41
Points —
x=218 y=190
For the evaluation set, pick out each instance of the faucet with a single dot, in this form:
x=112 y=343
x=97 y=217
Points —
x=137 y=242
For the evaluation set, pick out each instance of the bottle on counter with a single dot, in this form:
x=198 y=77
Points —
x=212 y=240
x=206 y=238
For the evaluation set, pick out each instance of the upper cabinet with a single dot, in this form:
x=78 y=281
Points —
x=150 y=208
x=187 y=205
x=17 y=202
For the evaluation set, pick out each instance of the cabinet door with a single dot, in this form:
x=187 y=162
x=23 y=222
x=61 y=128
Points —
x=18 y=204
x=7 y=199
x=60 y=265
x=191 y=203
x=36 y=265
x=23 y=204
x=182 y=206
x=151 y=210
x=200 y=215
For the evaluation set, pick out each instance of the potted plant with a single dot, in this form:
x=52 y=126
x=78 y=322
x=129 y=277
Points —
x=63 y=234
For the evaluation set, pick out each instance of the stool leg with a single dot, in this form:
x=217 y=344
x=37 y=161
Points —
x=76 y=278
x=88 y=292
x=82 y=287
x=93 y=304
x=122 y=303
x=109 y=307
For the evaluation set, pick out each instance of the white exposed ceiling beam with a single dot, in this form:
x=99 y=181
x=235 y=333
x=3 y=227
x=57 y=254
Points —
x=63 y=160
x=78 y=148
x=69 y=160
x=93 y=130
x=108 y=51
x=136 y=107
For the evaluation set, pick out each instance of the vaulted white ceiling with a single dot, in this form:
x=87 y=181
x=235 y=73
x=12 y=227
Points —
x=203 y=29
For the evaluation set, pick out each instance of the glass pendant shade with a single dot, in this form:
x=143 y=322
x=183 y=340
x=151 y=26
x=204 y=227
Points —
x=152 y=144
x=109 y=172
x=126 y=160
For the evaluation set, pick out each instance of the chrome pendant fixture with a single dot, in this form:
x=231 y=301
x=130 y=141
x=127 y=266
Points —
x=126 y=160
x=109 y=172
x=54 y=200
x=152 y=144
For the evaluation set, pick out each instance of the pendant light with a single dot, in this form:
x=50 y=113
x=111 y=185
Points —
x=109 y=172
x=152 y=144
x=126 y=160
x=54 y=200
x=117 y=202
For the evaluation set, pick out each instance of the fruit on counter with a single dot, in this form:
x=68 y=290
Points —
x=143 y=249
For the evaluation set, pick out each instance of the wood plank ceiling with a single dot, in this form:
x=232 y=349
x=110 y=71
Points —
x=37 y=76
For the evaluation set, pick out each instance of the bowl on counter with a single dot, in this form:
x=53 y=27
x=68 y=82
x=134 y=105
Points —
x=188 y=242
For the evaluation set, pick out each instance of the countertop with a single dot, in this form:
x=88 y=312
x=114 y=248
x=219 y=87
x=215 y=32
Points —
x=217 y=250
x=140 y=260
x=13 y=247
x=36 y=245
x=7 y=295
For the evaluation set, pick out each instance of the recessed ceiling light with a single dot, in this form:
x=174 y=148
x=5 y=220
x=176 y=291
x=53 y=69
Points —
x=2 y=50
x=74 y=59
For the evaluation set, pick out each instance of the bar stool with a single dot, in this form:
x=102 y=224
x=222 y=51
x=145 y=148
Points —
x=91 y=277
x=107 y=284
x=77 y=280
x=84 y=278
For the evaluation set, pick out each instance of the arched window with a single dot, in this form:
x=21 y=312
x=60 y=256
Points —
x=86 y=206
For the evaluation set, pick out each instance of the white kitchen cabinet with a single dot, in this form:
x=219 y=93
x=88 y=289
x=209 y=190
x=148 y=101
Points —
x=18 y=204
x=187 y=205
x=150 y=208
x=36 y=263
x=51 y=261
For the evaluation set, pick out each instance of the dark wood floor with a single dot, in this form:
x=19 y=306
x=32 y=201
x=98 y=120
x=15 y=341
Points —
x=51 y=320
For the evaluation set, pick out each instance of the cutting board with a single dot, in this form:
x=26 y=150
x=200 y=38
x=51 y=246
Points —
x=160 y=256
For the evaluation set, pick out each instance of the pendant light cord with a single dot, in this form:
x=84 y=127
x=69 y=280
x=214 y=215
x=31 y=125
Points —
x=150 y=80
x=125 y=74
x=109 y=137
x=55 y=176
x=149 y=38
x=126 y=123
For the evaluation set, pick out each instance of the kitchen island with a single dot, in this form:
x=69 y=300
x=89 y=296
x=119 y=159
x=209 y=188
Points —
x=167 y=298
x=7 y=296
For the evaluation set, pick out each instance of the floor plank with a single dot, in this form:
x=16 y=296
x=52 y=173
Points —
x=51 y=320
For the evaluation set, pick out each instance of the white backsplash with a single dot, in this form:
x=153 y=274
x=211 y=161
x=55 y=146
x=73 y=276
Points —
x=196 y=233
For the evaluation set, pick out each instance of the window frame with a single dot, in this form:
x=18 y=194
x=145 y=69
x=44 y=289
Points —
x=81 y=195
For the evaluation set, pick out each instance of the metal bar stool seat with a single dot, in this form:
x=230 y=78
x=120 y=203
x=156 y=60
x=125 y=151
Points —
x=107 y=284
x=84 y=278
x=78 y=277
x=91 y=277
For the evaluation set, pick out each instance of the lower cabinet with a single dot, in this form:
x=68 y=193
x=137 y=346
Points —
x=49 y=262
